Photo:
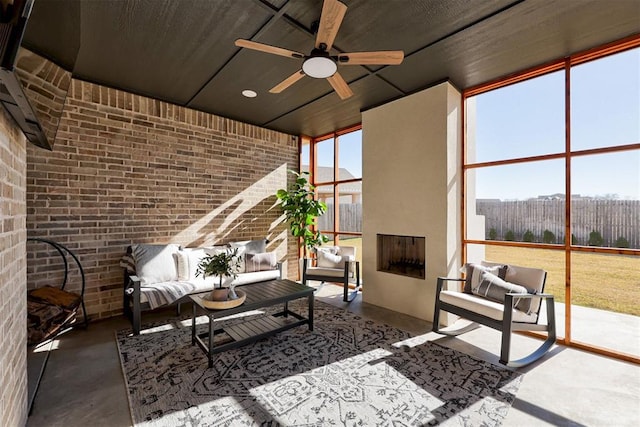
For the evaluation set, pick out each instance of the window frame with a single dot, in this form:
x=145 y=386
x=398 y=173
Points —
x=565 y=65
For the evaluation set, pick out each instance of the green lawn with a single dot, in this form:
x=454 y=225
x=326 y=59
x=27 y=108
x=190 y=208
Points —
x=607 y=282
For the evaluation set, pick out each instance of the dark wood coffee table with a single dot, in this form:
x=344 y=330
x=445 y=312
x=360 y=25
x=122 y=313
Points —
x=258 y=295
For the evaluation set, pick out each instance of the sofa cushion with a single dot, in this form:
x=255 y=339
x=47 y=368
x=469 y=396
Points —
x=323 y=271
x=495 y=289
x=182 y=265
x=473 y=273
x=485 y=307
x=261 y=262
x=196 y=255
x=258 y=276
x=155 y=263
x=245 y=247
x=531 y=278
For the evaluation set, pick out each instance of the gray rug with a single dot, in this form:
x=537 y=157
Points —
x=349 y=371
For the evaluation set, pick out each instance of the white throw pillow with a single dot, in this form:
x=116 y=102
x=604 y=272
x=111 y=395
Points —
x=182 y=265
x=155 y=263
x=330 y=258
x=196 y=255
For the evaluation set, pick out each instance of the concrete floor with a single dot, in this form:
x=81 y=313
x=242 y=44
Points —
x=83 y=383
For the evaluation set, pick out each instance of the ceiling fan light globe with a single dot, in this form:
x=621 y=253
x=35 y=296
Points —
x=319 y=67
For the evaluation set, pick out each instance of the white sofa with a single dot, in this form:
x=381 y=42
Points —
x=161 y=275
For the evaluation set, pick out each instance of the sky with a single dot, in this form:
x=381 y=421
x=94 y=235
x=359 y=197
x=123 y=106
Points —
x=528 y=119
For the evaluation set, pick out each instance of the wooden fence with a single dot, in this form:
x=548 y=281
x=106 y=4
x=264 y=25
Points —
x=350 y=217
x=613 y=219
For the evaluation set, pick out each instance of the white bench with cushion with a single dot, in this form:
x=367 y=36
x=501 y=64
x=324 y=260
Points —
x=504 y=297
x=161 y=275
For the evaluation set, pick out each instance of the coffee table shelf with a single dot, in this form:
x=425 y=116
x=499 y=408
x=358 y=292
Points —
x=259 y=295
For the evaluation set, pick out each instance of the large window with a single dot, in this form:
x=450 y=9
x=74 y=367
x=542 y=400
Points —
x=335 y=163
x=552 y=178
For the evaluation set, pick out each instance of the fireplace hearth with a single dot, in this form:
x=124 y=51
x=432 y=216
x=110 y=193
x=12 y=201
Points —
x=402 y=255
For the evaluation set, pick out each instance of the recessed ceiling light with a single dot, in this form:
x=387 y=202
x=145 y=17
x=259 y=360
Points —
x=249 y=93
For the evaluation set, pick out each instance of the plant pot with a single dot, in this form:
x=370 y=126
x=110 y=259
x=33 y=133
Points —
x=219 y=294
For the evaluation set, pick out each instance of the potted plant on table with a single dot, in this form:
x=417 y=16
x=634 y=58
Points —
x=222 y=264
x=301 y=210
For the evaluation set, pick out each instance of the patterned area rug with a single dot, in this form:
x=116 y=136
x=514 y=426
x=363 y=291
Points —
x=348 y=371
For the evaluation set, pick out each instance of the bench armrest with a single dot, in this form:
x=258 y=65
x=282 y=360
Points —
x=133 y=285
x=442 y=280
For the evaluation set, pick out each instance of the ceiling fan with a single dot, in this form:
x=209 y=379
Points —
x=319 y=63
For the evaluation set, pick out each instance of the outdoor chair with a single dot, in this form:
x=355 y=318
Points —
x=507 y=298
x=336 y=264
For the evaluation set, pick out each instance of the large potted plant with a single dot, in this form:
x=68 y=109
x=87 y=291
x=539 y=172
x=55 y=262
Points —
x=301 y=210
x=223 y=264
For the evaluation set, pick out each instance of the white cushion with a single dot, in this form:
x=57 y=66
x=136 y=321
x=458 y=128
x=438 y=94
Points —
x=323 y=271
x=333 y=257
x=155 y=263
x=258 y=276
x=531 y=278
x=196 y=255
x=182 y=265
x=484 y=307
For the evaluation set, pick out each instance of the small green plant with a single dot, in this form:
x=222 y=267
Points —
x=595 y=238
x=493 y=234
x=223 y=264
x=548 y=236
x=509 y=236
x=574 y=240
x=621 y=242
x=528 y=236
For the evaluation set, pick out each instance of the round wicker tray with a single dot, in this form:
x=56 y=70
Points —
x=223 y=305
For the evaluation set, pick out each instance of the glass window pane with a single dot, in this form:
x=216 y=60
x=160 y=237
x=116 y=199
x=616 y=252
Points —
x=305 y=155
x=518 y=202
x=350 y=155
x=605 y=297
x=350 y=208
x=551 y=261
x=605 y=199
x=521 y=120
x=324 y=161
x=605 y=101
x=325 y=194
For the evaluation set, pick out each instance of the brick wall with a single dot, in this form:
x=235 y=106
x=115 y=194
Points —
x=13 y=331
x=129 y=169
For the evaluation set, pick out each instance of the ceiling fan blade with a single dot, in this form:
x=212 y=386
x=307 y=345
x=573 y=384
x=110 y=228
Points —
x=383 y=57
x=268 y=48
x=287 y=82
x=340 y=86
x=332 y=14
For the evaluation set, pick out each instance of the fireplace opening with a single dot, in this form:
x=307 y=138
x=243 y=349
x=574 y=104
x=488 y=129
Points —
x=403 y=255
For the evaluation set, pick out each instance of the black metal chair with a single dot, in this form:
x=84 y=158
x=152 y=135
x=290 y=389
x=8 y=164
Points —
x=345 y=274
x=505 y=316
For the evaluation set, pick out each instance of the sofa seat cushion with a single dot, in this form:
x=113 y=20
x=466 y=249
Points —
x=484 y=307
x=323 y=271
x=258 y=276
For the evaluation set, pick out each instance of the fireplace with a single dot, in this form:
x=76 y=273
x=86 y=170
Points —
x=403 y=255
